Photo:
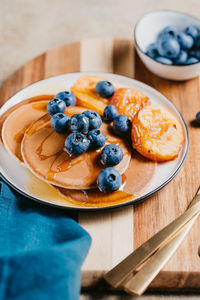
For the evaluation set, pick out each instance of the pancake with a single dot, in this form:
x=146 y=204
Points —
x=135 y=180
x=14 y=107
x=42 y=150
x=17 y=122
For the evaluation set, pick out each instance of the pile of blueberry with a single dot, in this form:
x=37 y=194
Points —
x=176 y=48
x=84 y=132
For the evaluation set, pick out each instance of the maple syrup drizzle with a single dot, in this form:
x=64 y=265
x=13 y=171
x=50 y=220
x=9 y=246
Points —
x=39 y=106
x=93 y=162
x=29 y=100
x=133 y=184
x=91 y=157
x=94 y=197
x=71 y=162
x=62 y=167
x=67 y=164
x=44 y=123
x=51 y=173
x=19 y=156
x=40 y=148
x=19 y=135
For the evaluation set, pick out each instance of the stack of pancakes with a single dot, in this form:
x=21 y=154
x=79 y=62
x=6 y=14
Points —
x=27 y=135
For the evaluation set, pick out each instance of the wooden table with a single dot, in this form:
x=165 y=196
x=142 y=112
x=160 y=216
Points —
x=116 y=233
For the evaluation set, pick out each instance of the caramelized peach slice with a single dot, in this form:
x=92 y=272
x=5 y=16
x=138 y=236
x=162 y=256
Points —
x=128 y=101
x=157 y=133
x=84 y=90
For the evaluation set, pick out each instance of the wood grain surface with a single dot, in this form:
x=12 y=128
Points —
x=116 y=233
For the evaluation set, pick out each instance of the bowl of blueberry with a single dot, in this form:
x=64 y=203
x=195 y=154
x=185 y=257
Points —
x=168 y=43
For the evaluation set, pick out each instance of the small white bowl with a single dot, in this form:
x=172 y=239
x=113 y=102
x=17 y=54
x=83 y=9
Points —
x=146 y=32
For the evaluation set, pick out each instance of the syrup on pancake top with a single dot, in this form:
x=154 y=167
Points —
x=16 y=124
x=4 y=116
x=43 y=152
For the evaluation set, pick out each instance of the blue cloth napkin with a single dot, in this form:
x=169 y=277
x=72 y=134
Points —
x=41 y=250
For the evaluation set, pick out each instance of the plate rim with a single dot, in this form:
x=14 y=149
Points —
x=115 y=206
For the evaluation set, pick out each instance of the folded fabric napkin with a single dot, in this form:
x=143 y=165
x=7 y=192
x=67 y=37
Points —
x=41 y=250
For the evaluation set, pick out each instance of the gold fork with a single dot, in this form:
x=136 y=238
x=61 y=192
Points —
x=160 y=248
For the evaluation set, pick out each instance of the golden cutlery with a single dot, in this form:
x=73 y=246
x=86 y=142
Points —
x=121 y=273
x=139 y=283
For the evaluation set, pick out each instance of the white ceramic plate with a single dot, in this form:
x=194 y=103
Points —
x=21 y=179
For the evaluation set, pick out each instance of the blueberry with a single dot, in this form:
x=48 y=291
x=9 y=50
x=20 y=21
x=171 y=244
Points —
x=197 y=41
x=198 y=117
x=105 y=89
x=109 y=180
x=111 y=155
x=79 y=123
x=192 y=60
x=94 y=119
x=197 y=53
x=192 y=31
x=55 y=106
x=121 y=125
x=97 y=138
x=169 y=30
x=152 y=50
x=60 y=122
x=186 y=41
x=67 y=97
x=164 y=60
x=168 y=46
x=192 y=52
x=110 y=112
x=76 y=143
x=182 y=58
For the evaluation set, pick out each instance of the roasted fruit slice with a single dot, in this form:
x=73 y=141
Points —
x=128 y=101
x=157 y=133
x=84 y=90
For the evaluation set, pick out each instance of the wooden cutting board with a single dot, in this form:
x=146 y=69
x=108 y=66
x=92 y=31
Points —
x=116 y=233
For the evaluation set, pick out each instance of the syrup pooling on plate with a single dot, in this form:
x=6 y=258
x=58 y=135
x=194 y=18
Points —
x=43 y=152
x=135 y=180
